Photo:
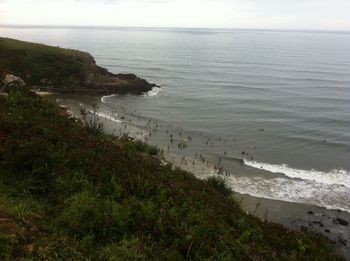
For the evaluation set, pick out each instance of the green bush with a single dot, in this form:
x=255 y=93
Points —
x=220 y=185
x=94 y=127
x=103 y=219
x=153 y=150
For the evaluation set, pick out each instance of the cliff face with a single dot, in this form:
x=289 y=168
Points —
x=63 y=70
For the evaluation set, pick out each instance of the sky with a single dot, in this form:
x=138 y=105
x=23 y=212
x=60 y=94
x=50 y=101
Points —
x=255 y=14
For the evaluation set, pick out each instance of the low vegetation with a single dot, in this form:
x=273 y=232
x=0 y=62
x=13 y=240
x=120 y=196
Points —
x=68 y=194
x=39 y=64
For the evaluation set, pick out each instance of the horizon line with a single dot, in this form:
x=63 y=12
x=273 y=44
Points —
x=167 y=27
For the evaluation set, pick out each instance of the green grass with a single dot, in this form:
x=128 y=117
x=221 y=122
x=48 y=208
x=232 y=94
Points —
x=36 y=62
x=68 y=194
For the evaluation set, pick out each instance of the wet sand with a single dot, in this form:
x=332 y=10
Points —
x=181 y=149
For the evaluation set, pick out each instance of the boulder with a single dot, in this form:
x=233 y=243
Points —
x=12 y=80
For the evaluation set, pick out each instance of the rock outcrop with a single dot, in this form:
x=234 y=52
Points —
x=10 y=80
x=62 y=70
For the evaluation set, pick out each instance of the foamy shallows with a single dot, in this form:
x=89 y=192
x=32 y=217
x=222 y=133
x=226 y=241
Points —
x=103 y=98
x=291 y=190
x=105 y=116
x=324 y=189
x=334 y=177
x=154 y=92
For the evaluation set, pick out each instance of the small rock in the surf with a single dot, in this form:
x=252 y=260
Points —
x=243 y=153
x=261 y=130
x=318 y=223
x=342 y=222
x=327 y=231
x=342 y=241
x=310 y=213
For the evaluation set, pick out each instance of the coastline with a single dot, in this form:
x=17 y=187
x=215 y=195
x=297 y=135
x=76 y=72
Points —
x=294 y=215
x=297 y=216
x=99 y=191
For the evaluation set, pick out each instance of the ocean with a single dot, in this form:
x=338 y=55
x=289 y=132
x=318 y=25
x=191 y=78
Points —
x=269 y=109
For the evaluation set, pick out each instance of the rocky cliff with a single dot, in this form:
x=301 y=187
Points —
x=63 y=70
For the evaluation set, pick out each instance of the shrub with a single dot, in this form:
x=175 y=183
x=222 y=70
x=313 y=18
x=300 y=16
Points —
x=220 y=185
x=94 y=127
x=141 y=146
x=92 y=124
x=153 y=150
x=86 y=214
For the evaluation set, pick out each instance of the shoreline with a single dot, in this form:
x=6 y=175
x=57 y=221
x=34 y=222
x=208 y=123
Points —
x=298 y=216
x=125 y=192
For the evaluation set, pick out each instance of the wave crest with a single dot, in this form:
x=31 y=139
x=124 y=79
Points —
x=154 y=92
x=334 y=177
x=105 y=116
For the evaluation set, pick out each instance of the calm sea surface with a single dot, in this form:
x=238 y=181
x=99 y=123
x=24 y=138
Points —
x=281 y=100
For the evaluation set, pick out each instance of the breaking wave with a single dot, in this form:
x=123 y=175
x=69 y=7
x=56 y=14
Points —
x=105 y=116
x=154 y=92
x=334 y=177
x=103 y=98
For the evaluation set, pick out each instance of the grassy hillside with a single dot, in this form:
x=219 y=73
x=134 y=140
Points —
x=42 y=66
x=67 y=191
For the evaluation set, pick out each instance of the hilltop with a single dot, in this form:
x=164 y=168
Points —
x=63 y=70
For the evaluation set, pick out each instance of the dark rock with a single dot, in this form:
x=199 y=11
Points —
x=327 y=231
x=310 y=213
x=304 y=229
x=318 y=223
x=126 y=76
x=342 y=222
x=342 y=241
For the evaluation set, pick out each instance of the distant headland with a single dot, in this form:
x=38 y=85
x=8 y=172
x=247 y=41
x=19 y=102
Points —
x=62 y=70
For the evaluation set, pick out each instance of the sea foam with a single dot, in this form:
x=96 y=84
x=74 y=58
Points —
x=154 y=92
x=293 y=190
x=105 y=116
x=103 y=98
x=333 y=177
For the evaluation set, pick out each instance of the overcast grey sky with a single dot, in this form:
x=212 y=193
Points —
x=270 y=14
